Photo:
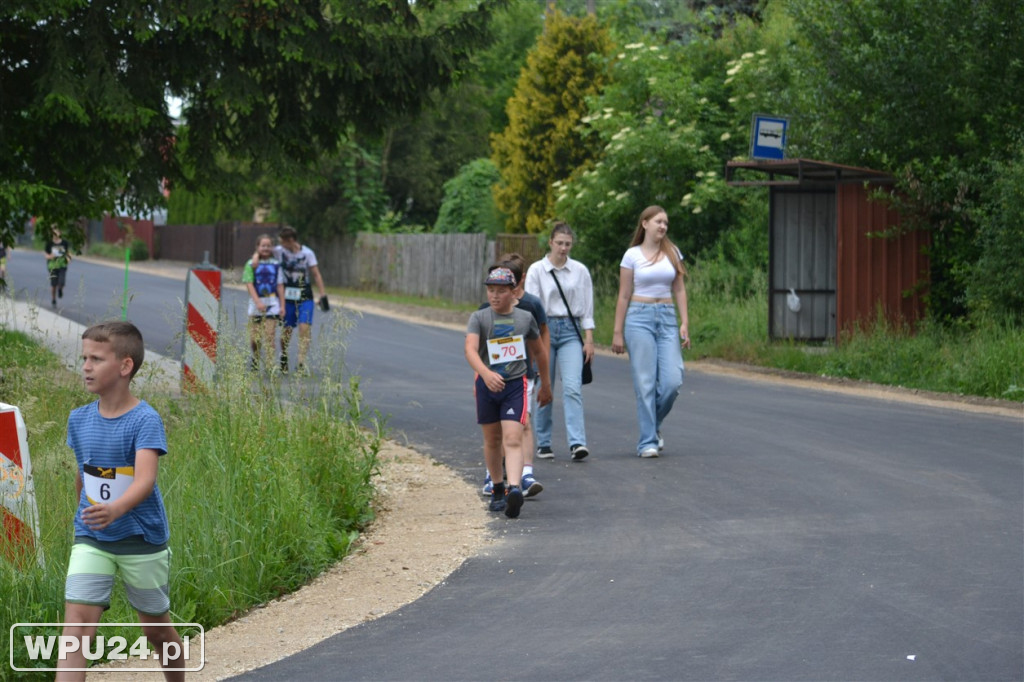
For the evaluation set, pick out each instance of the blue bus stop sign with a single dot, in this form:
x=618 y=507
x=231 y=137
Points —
x=768 y=137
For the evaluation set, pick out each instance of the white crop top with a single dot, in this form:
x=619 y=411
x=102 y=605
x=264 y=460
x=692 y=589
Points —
x=650 y=280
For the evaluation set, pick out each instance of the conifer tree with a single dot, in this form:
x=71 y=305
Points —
x=542 y=143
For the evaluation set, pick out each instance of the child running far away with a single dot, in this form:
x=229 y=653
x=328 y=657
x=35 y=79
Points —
x=496 y=341
x=530 y=303
x=120 y=523
x=264 y=280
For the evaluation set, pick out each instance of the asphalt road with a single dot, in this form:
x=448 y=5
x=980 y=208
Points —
x=787 y=533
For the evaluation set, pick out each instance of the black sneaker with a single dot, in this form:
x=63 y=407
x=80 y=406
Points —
x=579 y=452
x=513 y=502
x=545 y=452
x=284 y=364
x=498 y=502
x=53 y=302
x=60 y=292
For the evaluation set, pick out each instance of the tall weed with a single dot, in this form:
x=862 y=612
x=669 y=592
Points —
x=267 y=481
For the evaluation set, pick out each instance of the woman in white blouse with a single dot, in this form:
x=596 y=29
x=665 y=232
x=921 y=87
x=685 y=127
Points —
x=566 y=352
x=650 y=287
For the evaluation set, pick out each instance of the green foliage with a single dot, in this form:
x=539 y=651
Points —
x=928 y=90
x=671 y=116
x=343 y=195
x=997 y=280
x=185 y=207
x=85 y=116
x=139 y=250
x=469 y=202
x=420 y=152
x=542 y=143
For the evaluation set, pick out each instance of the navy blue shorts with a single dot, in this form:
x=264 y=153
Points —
x=507 y=405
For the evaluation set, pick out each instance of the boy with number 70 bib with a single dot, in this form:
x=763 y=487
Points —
x=496 y=342
x=120 y=525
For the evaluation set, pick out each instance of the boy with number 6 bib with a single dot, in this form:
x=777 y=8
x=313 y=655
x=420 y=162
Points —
x=120 y=525
x=496 y=341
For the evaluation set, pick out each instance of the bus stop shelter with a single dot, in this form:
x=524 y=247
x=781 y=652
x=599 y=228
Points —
x=836 y=258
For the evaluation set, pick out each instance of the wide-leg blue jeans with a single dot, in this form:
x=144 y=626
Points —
x=656 y=358
x=565 y=358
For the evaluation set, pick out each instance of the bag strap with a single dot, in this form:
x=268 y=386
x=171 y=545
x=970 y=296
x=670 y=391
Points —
x=567 y=308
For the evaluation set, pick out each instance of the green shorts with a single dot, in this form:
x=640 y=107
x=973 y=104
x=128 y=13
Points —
x=91 y=578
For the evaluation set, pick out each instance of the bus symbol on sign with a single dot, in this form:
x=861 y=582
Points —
x=768 y=137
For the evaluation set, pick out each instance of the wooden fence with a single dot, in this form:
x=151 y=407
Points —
x=446 y=266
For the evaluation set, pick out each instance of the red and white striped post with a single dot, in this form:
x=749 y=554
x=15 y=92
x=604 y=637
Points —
x=202 y=320
x=19 y=515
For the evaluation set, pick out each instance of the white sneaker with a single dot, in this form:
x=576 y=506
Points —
x=661 y=442
x=648 y=453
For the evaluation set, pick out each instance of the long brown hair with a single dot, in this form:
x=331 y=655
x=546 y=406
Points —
x=667 y=247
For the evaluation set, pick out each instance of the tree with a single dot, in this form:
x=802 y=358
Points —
x=468 y=201
x=84 y=121
x=676 y=109
x=542 y=143
x=929 y=90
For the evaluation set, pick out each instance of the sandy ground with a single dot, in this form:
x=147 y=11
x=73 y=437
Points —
x=429 y=521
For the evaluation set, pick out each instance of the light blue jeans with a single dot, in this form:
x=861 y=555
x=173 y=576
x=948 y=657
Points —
x=565 y=358
x=652 y=337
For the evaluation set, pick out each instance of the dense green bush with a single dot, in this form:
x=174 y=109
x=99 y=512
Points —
x=468 y=204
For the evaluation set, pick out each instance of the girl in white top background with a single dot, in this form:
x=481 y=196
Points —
x=565 y=352
x=650 y=287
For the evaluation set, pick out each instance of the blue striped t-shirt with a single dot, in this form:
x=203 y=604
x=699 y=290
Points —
x=102 y=445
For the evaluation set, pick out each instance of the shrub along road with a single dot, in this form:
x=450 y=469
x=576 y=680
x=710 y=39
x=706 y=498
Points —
x=788 y=532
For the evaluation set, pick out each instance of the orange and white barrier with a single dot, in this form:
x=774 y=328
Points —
x=202 y=319
x=19 y=514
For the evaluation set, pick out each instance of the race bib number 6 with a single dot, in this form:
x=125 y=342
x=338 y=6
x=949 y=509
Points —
x=500 y=351
x=106 y=484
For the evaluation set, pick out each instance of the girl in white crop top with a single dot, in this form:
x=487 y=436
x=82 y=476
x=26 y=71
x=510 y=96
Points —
x=651 y=287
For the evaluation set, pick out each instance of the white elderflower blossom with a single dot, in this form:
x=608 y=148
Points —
x=697 y=209
x=634 y=46
x=621 y=134
x=725 y=136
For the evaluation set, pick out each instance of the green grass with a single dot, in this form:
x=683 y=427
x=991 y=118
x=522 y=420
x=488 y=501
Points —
x=728 y=313
x=266 y=485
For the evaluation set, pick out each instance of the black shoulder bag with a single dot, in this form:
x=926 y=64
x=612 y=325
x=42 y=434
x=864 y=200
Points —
x=588 y=374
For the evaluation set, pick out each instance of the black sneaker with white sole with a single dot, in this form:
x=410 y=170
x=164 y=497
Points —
x=545 y=452
x=579 y=452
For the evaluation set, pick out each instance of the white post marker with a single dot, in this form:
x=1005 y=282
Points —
x=202 y=319
x=19 y=515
